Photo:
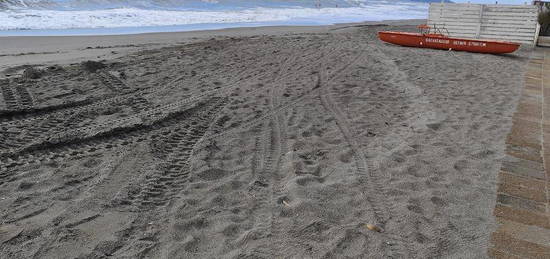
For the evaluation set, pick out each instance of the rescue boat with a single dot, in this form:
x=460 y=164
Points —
x=435 y=38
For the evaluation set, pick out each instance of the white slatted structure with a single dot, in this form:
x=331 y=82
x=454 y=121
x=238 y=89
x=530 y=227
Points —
x=517 y=23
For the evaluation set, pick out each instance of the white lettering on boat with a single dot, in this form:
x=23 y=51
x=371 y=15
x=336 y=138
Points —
x=457 y=42
x=478 y=44
x=432 y=40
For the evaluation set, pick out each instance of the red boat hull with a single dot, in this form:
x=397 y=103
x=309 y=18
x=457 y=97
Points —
x=436 y=41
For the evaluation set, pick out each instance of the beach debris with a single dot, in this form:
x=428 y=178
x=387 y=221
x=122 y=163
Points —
x=32 y=73
x=372 y=227
x=92 y=66
x=55 y=68
x=286 y=203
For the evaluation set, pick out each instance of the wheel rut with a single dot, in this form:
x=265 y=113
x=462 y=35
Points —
x=9 y=96
x=274 y=145
x=397 y=247
x=82 y=143
x=172 y=174
x=277 y=146
x=16 y=98
x=112 y=82
x=270 y=145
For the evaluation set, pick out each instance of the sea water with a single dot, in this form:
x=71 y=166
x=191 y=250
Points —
x=99 y=17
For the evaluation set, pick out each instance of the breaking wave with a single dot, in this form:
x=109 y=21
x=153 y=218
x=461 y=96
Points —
x=78 y=14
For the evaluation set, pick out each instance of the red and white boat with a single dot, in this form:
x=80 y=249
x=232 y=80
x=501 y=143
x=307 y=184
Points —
x=434 y=38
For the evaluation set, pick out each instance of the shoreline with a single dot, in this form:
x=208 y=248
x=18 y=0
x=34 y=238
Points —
x=46 y=50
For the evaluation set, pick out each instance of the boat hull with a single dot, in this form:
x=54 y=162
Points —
x=441 y=42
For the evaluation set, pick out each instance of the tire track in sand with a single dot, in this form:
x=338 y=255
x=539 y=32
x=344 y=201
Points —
x=16 y=98
x=85 y=143
x=10 y=102
x=112 y=82
x=381 y=211
x=270 y=144
x=267 y=164
x=166 y=183
x=277 y=145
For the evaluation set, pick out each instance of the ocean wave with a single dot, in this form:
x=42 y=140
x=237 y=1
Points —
x=133 y=17
x=19 y=15
x=186 y=4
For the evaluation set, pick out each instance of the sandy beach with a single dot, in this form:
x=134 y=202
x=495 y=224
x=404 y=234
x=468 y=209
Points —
x=270 y=142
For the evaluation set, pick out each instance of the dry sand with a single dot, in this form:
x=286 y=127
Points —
x=259 y=144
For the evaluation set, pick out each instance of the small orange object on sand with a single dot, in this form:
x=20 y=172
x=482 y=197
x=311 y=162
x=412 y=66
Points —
x=433 y=37
x=373 y=227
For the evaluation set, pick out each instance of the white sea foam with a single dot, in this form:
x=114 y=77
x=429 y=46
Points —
x=26 y=19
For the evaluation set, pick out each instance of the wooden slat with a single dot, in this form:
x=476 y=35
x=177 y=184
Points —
x=496 y=24
x=493 y=21
x=492 y=25
x=449 y=12
x=455 y=7
x=515 y=34
x=506 y=22
x=463 y=35
x=462 y=32
x=452 y=26
x=489 y=36
x=449 y=20
x=453 y=10
x=511 y=6
x=473 y=32
x=457 y=19
x=513 y=14
x=528 y=22
x=508 y=15
x=508 y=29
x=533 y=9
x=455 y=26
x=457 y=16
x=509 y=18
x=454 y=21
x=517 y=19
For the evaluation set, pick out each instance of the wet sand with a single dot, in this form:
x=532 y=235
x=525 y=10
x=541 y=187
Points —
x=258 y=144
